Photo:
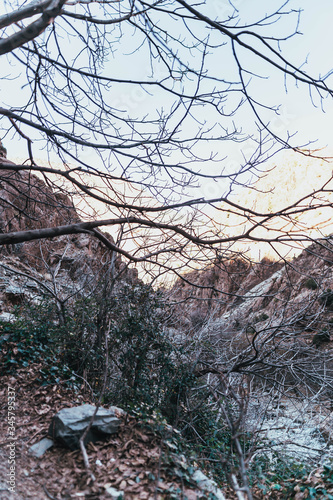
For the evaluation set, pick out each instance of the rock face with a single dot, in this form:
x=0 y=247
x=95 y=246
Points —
x=27 y=202
x=222 y=286
x=68 y=425
x=289 y=304
x=28 y=270
x=252 y=291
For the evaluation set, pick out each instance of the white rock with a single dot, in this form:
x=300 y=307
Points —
x=15 y=290
x=115 y=494
x=117 y=410
x=5 y=316
x=204 y=483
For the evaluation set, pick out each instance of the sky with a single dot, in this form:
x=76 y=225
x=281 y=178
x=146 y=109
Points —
x=296 y=113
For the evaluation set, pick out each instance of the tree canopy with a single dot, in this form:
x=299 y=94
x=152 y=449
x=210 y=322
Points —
x=138 y=103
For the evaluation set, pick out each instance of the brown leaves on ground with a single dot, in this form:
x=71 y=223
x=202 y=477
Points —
x=130 y=461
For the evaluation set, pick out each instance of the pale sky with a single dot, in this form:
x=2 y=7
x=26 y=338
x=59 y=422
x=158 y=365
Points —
x=296 y=112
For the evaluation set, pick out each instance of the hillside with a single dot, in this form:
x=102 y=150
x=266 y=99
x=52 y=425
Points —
x=234 y=292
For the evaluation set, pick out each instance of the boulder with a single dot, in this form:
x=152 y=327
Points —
x=7 y=317
x=68 y=425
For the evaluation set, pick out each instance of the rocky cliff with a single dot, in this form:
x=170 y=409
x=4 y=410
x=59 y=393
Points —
x=69 y=263
x=258 y=305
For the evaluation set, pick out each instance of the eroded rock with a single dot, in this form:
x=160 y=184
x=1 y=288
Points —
x=68 y=425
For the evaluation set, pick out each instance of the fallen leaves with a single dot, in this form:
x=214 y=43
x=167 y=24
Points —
x=129 y=462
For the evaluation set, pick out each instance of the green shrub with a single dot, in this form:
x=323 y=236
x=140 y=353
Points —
x=144 y=365
x=311 y=284
x=146 y=369
x=261 y=317
x=287 y=475
x=23 y=343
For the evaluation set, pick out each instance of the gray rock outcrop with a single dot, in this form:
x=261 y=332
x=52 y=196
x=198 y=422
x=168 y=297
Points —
x=68 y=425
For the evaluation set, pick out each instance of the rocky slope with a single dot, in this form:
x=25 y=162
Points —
x=63 y=265
x=140 y=462
x=239 y=292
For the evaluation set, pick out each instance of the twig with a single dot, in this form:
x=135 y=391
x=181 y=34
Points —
x=82 y=438
x=34 y=435
x=29 y=141
x=85 y=455
x=47 y=492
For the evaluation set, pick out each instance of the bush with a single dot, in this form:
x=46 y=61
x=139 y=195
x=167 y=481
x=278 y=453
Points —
x=311 y=284
x=260 y=318
x=24 y=342
x=286 y=478
x=144 y=366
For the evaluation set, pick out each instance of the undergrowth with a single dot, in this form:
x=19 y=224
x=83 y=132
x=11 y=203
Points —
x=148 y=375
x=285 y=477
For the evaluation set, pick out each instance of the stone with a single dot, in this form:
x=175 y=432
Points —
x=7 y=317
x=113 y=493
x=68 y=425
x=38 y=449
x=206 y=484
